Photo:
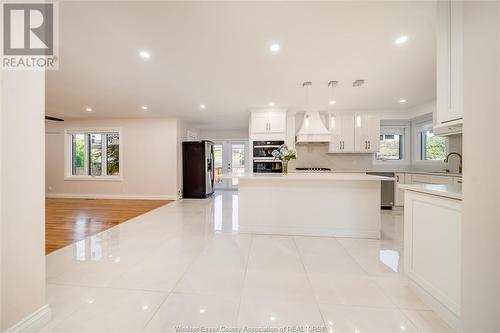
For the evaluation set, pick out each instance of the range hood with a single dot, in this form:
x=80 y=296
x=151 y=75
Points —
x=313 y=129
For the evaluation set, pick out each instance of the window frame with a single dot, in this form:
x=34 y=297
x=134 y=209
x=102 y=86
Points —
x=405 y=148
x=68 y=154
x=418 y=127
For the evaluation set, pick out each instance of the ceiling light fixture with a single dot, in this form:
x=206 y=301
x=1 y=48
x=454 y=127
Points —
x=88 y=109
x=401 y=40
x=271 y=104
x=145 y=54
x=358 y=83
x=402 y=100
x=275 y=48
x=203 y=106
x=144 y=107
x=332 y=102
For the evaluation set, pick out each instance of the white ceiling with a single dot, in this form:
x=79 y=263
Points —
x=218 y=54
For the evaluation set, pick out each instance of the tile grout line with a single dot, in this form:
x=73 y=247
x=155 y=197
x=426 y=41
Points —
x=371 y=277
x=309 y=281
x=172 y=291
x=244 y=278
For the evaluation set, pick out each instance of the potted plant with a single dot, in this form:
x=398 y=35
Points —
x=284 y=155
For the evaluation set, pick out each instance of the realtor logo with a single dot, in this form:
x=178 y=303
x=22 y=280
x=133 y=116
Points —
x=29 y=36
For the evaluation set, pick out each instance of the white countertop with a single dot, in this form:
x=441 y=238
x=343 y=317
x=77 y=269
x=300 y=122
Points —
x=433 y=173
x=448 y=191
x=305 y=176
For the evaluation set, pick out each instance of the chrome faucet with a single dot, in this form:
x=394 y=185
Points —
x=461 y=160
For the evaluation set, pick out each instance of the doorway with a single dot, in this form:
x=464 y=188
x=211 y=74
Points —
x=231 y=156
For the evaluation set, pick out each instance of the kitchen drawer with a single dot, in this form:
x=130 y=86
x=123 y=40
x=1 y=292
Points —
x=457 y=180
x=430 y=179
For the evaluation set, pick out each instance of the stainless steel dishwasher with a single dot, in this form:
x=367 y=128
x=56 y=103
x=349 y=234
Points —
x=386 y=188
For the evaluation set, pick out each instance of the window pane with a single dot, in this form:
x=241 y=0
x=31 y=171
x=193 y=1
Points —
x=78 y=154
x=95 y=160
x=390 y=147
x=435 y=146
x=237 y=160
x=113 y=157
x=218 y=163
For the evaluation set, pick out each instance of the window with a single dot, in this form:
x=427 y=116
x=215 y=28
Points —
x=432 y=148
x=391 y=144
x=93 y=154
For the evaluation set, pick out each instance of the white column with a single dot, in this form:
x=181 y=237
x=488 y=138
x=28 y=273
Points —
x=22 y=146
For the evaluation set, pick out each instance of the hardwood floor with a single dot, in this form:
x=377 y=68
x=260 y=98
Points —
x=70 y=220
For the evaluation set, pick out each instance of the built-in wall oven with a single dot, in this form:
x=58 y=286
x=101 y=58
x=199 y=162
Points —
x=263 y=160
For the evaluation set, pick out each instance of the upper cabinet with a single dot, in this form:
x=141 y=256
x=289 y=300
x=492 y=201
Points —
x=367 y=133
x=449 y=81
x=342 y=129
x=268 y=125
x=359 y=133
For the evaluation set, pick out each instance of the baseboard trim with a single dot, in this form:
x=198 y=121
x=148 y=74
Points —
x=32 y=323
x=109 y=196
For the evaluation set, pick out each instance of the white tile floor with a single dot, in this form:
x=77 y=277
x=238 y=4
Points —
x=185 y=265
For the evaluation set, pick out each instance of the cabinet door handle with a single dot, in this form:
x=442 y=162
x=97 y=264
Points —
x=368 y=144
x=397 y=179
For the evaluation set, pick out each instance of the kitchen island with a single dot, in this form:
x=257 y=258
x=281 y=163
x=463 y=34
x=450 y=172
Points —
x=319 y=204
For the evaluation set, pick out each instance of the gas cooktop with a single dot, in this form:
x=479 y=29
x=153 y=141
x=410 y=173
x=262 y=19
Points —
x=313 y=169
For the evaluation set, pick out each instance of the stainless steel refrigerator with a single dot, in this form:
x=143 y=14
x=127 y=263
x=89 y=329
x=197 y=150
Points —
x=197 y=169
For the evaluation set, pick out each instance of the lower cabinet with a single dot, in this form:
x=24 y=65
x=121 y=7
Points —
x=414 y=178
x=399 y=194
x=430 y=179
x=432 y=252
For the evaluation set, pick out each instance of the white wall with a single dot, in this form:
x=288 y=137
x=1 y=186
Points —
x=481 y=222
x=22 y=197
x=149 y=162
x=224 y=134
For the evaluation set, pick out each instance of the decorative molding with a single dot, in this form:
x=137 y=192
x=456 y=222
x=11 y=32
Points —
x=32 y=323
x=110 y=196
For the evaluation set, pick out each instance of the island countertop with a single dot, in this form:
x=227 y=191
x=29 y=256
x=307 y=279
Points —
x=442 y=190
x=304 y=176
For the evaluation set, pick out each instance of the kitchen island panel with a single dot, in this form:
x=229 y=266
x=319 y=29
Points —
x=339 y=207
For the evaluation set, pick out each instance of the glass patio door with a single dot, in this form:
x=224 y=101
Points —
x=230 y=157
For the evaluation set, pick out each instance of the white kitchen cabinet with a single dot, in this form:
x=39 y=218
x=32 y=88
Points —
x=342 y=129
x=367 y=133
x=449 y=80
x=429 y=179
x=268 y=125
x=358 y=133
x=277 y=122
x=398 y=192
x=432 y=252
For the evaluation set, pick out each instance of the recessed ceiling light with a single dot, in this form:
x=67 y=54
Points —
x=401 y=40
x=88 y=109
x=332 y=102
x=144 y=107
x=275 y=48
x=271 y=104
x=402 y=100
x=203 y=106
x=145 y=54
